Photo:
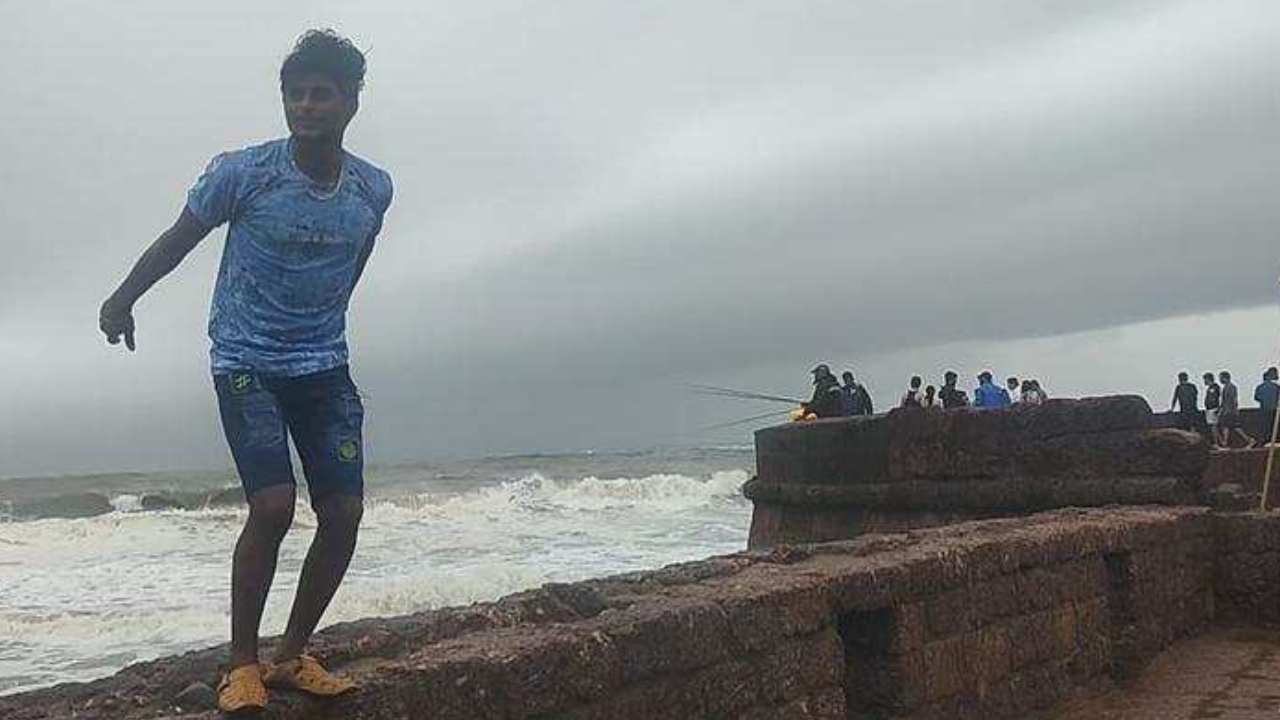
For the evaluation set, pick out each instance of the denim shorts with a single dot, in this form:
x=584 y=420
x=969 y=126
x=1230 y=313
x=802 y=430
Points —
x=323 y=414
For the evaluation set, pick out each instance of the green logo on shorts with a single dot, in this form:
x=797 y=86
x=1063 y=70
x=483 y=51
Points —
x=349 y=450
x=240 y=383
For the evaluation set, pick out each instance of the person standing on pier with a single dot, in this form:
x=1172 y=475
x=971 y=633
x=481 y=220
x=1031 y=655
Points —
x=1013 y=386
x=1031 y=393
x=1212 y=404
x=855 y=401
x=913 y=397
x=1229 y=419
x=1186 y=399
x=302 y=216
x=952 y=396
x=826 y=401
x=989 y=395
x=1267 y=395
x=931 y=400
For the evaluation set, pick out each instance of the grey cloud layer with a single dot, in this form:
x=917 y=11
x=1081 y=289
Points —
x=599 y=201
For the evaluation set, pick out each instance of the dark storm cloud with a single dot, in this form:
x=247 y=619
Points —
x=597 y=203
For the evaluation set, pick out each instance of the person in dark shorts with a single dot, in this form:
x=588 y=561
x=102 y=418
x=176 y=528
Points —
x=1267 y=395
x=1186 y=399
x=302 y=216
x=1229 y=420
x=1212 y=404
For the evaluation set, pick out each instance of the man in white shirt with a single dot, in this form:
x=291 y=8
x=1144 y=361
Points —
x=1015 y=390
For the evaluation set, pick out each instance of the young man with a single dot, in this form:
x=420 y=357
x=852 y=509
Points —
x=303 y=214
x=952 y=396
x=1212 y=404
x=1229 y=414
x=931 y=401
x=988 y=395
x=1267 y=394
x=913 y=397
x=1030 y=394
x=826 y=401
x=1013 y=387
x=854 y=398
x=1186 y=399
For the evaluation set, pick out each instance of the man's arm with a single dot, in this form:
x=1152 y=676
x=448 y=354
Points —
x=361 y=261
x=116 y=316
x=383 y=204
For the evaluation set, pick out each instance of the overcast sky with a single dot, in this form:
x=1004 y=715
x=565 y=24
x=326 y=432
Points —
x=598 y=201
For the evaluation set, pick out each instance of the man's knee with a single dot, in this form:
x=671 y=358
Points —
x=271 y=509
x=339 y=513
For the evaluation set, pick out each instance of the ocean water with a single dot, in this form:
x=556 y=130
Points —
x=100 y=572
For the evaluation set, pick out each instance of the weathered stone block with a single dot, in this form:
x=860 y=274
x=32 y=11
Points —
x=774 y=608
x=950 y=613
x=674 y=635
x=826 y=705
x=920 y=469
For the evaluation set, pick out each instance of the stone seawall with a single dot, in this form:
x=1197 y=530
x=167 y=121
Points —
x=1248 y=568
x=979 y=620
x=835 y=479
x=1236 y=477
x=1253 y=421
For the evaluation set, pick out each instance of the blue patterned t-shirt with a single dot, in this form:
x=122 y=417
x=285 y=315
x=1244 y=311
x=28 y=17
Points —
x=289 y=264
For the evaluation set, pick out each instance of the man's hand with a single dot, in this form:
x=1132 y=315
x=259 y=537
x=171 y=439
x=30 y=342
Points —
x=116 y=316
x=115 y=321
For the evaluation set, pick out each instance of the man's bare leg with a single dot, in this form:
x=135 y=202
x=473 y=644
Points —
x=254 y=566
x=338 y=524
x=1249 y=441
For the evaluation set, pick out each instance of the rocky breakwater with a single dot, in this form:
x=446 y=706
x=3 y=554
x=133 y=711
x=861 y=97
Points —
x=836 y=479
x=979 y=621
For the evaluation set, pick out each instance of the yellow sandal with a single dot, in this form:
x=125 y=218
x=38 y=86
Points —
x=306 y=674
x=242 y=690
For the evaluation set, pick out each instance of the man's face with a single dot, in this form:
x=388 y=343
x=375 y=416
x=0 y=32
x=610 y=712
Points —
x=315 y=109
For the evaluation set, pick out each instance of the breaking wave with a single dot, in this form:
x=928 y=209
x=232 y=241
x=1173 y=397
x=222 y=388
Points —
x=81 y=597
x=537 y=492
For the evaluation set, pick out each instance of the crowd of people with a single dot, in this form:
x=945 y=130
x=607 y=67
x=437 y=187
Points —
x=846 y=397
x=1221 y=416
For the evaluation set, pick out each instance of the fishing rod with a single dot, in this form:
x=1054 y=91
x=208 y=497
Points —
x=742 y=394
x=729 y=392
x=734 y=423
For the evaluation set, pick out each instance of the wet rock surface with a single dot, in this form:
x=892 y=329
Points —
x=1228 y=674
x=196 y=696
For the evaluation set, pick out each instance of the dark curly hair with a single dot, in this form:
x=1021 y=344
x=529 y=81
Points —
x=328 y=54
